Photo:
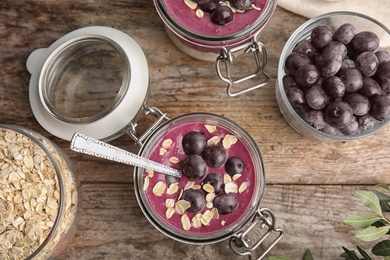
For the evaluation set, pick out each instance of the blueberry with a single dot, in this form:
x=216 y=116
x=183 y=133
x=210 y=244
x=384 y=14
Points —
x=351 y=128
x=367 y=62
x=222 y=15
x=294 y=60
x=226 y=203
x=328 y=129
x=348 y=64
x=316 y=97
x=215 y=180
x=360 y=104
x=337 y=47
x=380 y=107
x=334 y=87
x=385 y=87
x=321 y=36
x=194 y=167
x=194 y=142
x=215 y=156
x=338 y=114
x=365 y=122
x=329 y=63
x=365 y=41
x=383 y=56
x=345 y=33
x=307 y=75
x=209 y=6
x=196 y=198
x=296 y=97
x=315 y=118
x=305 y=47
x=234 y=165
x=241 y=4
x=352 y=79
x=383 y=72
x=370 y=88
x=289 y=81
x=316 y=57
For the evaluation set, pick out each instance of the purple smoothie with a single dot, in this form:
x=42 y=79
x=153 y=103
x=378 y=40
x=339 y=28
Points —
x=172 y=155
x=187 y=18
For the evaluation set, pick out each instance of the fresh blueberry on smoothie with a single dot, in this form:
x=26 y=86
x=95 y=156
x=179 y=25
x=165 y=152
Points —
x=215 y=17
x=217 y=182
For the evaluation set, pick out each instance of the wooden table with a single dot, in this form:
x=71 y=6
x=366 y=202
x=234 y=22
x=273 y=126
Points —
x=310 y=185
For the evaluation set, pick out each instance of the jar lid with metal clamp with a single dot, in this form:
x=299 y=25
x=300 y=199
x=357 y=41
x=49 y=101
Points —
x=93 y=80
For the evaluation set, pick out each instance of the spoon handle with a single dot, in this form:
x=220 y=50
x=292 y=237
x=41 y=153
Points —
x=85 y=144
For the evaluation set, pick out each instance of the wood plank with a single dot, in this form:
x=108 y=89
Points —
x=112 y=225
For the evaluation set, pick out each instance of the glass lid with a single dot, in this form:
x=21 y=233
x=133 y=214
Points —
x=84 y=83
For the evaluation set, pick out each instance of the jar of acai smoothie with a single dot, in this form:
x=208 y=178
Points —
x=219 y=31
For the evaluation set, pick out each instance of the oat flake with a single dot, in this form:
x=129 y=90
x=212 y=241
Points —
x=211 y=128
x=185 y=221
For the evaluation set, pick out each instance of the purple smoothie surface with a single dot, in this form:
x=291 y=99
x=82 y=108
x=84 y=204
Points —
x=188 y=19
x=169 y=151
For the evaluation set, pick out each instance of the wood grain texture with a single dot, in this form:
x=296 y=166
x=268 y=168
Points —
x=309 y=184
x=112 y=226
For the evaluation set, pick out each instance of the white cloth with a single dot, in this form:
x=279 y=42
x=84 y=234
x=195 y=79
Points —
x=377 y=9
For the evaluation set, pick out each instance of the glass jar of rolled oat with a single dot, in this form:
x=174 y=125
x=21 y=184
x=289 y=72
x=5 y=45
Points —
x=38 y=196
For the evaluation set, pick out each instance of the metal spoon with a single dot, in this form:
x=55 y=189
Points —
x=82 y=143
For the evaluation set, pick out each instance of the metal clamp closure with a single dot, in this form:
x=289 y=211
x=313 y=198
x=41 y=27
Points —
x=240 y=242
x=227 y=56
x=154 y=111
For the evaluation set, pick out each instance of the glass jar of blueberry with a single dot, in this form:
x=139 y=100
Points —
x=218 y=31
x=219 y=193
x=334 y=77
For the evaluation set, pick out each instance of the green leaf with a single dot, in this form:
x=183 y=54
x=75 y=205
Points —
x=278 y=258
x=372 y=233
x=381 y=196
x=382 y=248
x=385 y=206
x=385 y=186
x=383 y=200
x=349 y=255
x=362 y=221
x=308 y=255
x=363 y=253
x=370 y=199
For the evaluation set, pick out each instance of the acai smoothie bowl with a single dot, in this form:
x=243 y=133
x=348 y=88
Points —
x=219 y=31
x=222 y=182
x=208 y=25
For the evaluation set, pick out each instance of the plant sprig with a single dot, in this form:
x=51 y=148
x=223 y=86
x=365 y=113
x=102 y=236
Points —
x=374 y=226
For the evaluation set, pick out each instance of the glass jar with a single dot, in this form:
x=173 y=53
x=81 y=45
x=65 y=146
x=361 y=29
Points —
x=220 y=44
x=91 y=78
x=295 y=116
x=38 y=196
x=251 y=217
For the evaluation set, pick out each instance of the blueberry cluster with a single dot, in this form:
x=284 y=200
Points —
x=199 y=157
x=220 y=11
x=339 y=80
